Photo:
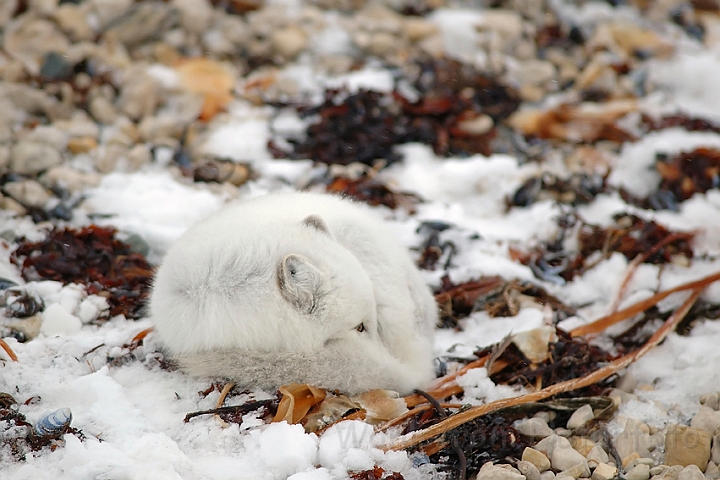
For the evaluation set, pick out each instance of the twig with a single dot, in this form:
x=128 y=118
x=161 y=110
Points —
x=8 y=350
x=470 y=414
x=640 y=258
x=603 y=323
x=243 y=409
x=221 y=399
x=411 y=413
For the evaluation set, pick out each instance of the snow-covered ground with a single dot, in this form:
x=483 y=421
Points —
x=132 y=413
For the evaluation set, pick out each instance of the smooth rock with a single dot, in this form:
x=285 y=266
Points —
x=638 y=472
x=634 y=439
x=69 y=178
x=495 y=472
x=144 y=21
x=564 y=457
x=56 y=67
x=533 y=427
x=664 y=472
x=106 y=157
x=711 y=400
x=549 y=475
x=29 y=193
x=140 y=96
x=524 y=341
x=687 y=446
x=712 y=472
x=29 y=39
x=28 y=157
x=102 y=110
x=597 y=456
x=706 y=419
x=580 y=416
x=604 y=472
x=528 y=469
x=715 y=449
x=163 y=126
x=417 y=28
x=582 y=444
x=81 y=145
x=691 y=472
x=383 y=44
x=4 y=158
x=195 y=15
x=11 y=205
x=58 y=321
x=138 y=156
x=289 y=41
x=48 y=135
x=73 y=20
x=576 y=471
x=537 y=458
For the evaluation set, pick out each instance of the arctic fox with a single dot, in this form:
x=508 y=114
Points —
x=296 y=287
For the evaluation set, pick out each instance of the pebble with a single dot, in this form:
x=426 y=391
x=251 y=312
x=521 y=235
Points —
x=715 y=449
x=635 y=439
x=144 y=21
x=69 y=178
x=495 y=472
x=73 y=21
x=576 y=471
x=712 y=471
x=153 y=128
x=604 y=472
x=28 y=192
x=597 y=455
x=138 y=156
x=691 y=472
x=638 y=472
x=106 y=157
x=4 y=158
x=687 y=446
x=29 y=39
x=549 y=475
x=582 y=444
x=477 y=126
x=81 y=145
x=580 y=417
x=528 y=469
x=706 y=419
x=537 y=458
x=289 y=41
x=562 y=455
x=711 y=400
x=28 y=157
x=533 y=427
x=417 y=29
x=195 y=15
x=102 y=110
x=140 y=96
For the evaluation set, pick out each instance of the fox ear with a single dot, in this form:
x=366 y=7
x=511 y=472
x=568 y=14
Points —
x=317 y=223
x=300 y=282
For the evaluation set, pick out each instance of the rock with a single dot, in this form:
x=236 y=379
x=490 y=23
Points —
x=506 y=25
x=383 y=44
x=11 y=206
x=537 y=458
x=580 y=416
x=195 y=15
x=528 y=469
x=138 y=156
x=706 y=419
x=691 y=472
x=69 y=178
x=140 y=96
x=563 y=432
x=73 y=20
x=715 y=450
x=4 y=158
x=29 y=193
x=28 y=157
x=664 y=472
x=56 y=67
x=102 y=110
x=144 y=21
x=163 y=126
x=604 y=472
x=417 y=28
x=58 y=321
x=495 y=472
x=634 y=439
x=549 y=475
x=562 y=455
x=533 y=427
x=687 y=446
x=288 y=42
x=711 y=400
x=106 y=157
x=81 y=145
x=597 y=456
x=29 y=39
x=638 y=472
x=477 y=126
x=582 y=444
x=576 y=471
x=48 y=135
x=712 y=472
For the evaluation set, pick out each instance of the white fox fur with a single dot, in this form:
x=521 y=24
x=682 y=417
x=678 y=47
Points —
x=296 y=287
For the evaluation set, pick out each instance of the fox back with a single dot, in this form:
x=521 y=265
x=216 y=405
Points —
x=295 y=287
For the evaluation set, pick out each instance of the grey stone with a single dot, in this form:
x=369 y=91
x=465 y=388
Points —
x=528 y=469
x=140 y=95
x=143 y=22
x=29 y=39
x=495 y=472
x=638 y=472
x=691 y=472
x=28 y=157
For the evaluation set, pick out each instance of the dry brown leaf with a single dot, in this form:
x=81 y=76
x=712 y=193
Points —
x=381 y=405
x=209 y=78
x=296 y=402
x=331 y=410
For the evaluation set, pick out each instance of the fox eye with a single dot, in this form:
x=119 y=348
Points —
x=360 y=328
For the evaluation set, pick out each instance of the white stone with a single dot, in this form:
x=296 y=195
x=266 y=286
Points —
x=58 y=321
x=289 y=41
x=28 y=157
x=580 y=416
x=495 y=472
x=691 y=472
x=537 y=458
x=195 y=15
x=528 y=469
x=597 y=455
x=707 y=419
x=29 y=193
x=533 y=427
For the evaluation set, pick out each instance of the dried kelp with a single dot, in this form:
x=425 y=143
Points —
x=577 y=189
x=497 y=297
x=368 y=189
x=94 y=257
